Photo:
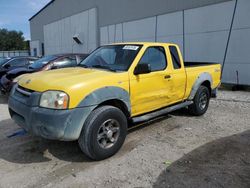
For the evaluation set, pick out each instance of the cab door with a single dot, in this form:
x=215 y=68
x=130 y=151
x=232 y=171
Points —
x=151 y=91
x=178 y=76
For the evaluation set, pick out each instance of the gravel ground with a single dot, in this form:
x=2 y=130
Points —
x=177 y=150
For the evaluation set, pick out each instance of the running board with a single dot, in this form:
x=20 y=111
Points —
x=160 y=112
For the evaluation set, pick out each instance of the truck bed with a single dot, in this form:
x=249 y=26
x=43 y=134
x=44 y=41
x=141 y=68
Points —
x=194 y=69
x=198 y=64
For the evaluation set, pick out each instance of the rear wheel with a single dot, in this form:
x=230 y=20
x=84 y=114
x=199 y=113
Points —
x=201 y=101
x=103 y=133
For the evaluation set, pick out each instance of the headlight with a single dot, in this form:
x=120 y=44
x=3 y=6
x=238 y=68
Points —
x=54 y=100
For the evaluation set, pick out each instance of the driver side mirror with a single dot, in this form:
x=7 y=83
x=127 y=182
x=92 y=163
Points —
x=143 y=68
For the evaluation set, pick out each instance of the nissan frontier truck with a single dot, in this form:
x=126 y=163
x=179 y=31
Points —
x=115 y=86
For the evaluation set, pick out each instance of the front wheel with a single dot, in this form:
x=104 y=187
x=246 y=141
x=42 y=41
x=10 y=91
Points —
x=103 y=133
x=201 y=102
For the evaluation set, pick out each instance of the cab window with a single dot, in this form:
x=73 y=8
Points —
x=31 y=61
x=16 y=63
x=155 y=56
x=175 y=57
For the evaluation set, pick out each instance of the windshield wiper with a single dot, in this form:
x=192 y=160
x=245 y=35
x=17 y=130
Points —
x=104 y=67
x=83 y=65
x=97 y=66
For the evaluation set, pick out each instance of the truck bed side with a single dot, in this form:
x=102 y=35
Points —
x=194 y=73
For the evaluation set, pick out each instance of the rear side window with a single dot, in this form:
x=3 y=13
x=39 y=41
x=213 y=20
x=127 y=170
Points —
x=175 y=57
x=18 y=62
x=155 y=56
x=31 y=61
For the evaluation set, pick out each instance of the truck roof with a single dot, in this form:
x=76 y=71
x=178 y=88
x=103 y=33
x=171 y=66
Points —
x=143 y=43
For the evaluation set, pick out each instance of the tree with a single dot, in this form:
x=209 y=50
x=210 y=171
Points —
x=12 y=40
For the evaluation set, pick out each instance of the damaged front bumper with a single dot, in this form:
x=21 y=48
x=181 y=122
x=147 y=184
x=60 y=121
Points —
x=48 y=123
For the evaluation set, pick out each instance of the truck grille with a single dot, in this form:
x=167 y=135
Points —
x=23 y=92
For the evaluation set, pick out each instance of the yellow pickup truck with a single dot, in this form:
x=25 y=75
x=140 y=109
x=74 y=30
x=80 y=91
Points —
x=114 y=87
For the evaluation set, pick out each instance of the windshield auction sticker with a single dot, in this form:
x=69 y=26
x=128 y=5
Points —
x=130 y=47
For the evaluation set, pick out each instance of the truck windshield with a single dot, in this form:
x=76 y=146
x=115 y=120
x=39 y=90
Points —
x=112 y=57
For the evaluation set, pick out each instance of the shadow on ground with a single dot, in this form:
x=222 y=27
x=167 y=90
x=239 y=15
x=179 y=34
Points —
x=222 y=163
x=182 y=112
x=27 y=149
x=3 y=99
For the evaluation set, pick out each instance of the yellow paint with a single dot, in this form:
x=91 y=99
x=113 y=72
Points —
x=148 y=92
x=76 y=82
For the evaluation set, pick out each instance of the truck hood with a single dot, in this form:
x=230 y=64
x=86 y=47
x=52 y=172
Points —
x=63 y=79
x=76 y=82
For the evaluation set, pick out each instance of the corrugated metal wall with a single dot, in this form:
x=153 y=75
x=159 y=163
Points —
x=238 y=55
x=58 y=36
x=202 y=33
x=201 y=28
x=110 y=11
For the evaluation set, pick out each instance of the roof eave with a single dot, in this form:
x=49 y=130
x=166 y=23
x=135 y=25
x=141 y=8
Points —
x=41 y=9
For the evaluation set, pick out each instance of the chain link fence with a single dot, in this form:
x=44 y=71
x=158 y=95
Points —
x=14 y=53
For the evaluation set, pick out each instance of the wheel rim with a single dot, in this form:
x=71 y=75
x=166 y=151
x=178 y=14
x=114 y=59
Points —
x=108 y=134
x=203 y=101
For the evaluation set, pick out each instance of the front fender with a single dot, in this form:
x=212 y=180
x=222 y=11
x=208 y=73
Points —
x=90 y=102
x=104 y=94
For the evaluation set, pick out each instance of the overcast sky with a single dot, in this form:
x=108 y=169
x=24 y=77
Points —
x=15 y=14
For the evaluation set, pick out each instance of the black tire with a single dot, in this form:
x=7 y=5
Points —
x=88 y=140
x=201 y=101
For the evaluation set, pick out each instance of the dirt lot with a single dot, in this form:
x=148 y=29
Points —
x=177 y=150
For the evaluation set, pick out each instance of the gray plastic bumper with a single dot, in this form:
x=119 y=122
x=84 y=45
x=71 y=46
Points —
x=48 y=123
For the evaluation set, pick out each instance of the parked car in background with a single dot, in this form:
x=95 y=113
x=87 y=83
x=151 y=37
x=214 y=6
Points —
x=10 y=63
x=2 y=59
x=46 y=63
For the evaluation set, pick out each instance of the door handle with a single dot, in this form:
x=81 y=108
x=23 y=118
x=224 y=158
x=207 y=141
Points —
x=167 y=76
